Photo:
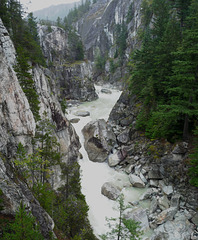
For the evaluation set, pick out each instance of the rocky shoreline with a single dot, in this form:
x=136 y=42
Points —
x=157 y=166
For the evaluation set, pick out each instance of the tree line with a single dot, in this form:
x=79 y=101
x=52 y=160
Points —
x=164 y=72
x=164 y=69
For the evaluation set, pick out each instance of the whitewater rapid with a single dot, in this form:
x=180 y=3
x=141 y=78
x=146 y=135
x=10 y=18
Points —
x=94 y=175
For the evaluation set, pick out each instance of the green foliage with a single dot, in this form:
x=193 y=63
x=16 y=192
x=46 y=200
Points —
x=193 y=170
x=164 y=70
x=27 y=84
x=24 y=227
x=78 y=11
x=112 y=66
x=122 y=228
x=48 y=147
x=25 y=38
x=70 y=208
x=63 y=105
x=99 y=61
x=130 y=14
x=121 y=34
x=146 y=12
x=76 y=46
x=45 y=195
x=1 y=201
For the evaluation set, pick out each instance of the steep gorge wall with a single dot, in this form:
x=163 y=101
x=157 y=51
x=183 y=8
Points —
x=73 y=79
x=17 y=125
x=98 y=31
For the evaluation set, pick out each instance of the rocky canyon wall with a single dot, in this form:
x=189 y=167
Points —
x=17 y=125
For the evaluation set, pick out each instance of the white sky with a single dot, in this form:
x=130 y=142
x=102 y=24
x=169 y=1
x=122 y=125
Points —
x=33 y=5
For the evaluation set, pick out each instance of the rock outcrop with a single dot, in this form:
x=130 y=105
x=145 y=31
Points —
x=98 y=31
x=97 y=27
x=17 y=125
x=74 y=79
x=160 y=166
x=99 y=140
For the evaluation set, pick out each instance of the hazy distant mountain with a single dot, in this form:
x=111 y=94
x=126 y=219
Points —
x=54 y=11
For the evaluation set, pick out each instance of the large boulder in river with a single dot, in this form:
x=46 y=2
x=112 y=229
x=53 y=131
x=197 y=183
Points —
x=110 y=190
x=136 y=181
x=99 y=140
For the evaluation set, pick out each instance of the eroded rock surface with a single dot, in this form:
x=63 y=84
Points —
x=99 y=140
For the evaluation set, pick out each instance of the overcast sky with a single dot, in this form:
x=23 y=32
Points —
x=33 y=5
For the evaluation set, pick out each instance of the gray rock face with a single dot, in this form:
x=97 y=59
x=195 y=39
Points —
x=74 y=79
x=6 y=45
x=99 y=140
x=178 y=229
x=17 y=121
x=110 y=190
x=17 y=125
x=97 y=27
x=64 y=132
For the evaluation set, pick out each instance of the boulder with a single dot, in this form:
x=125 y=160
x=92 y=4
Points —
x=148 y=194
x=74 y=120
x=166 y=215
x=107 y=91
x=114 y=159
x=82 y=113
x=110 y=190
x=175 y=200
x=154 y=174
x=136 y=181
x=99 y=140
x=124 y=136
x=154 y=205
x=154 y=183
x=167 y=190
x=139 y=215
x=179 y=151
x=163 y=202
x=195 y=219
x=178 y=229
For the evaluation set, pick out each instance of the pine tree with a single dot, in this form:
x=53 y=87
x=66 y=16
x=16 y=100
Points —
x=26 y=81
x=193 y=170
x=24 y=227
x=121 y=227
x=48 y=147
x=184 y=85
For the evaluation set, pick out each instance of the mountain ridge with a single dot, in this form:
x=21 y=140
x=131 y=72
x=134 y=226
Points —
x=54 y=11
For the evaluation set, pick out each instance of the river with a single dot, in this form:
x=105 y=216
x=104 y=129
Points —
x=94 y=175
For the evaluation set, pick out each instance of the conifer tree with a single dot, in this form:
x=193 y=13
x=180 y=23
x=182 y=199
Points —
x=24 y=227
x=122 y=228
x=184 y=85
x=26 y=81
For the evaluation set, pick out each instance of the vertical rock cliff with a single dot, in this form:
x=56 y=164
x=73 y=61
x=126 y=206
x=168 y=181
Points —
x=17 y=125
x=74 y=78
x=100 y=30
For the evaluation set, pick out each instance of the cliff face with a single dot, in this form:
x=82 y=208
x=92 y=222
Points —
x=98 y=31
x=17 y=125
x=74 y=80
